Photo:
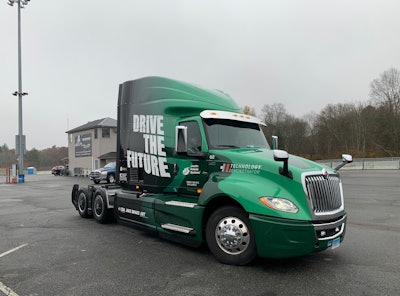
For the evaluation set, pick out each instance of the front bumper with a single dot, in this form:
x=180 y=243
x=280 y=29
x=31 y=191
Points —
x=282 y=238
x=97 y=176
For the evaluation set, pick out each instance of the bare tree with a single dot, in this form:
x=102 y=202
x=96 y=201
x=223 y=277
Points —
x=291 y=131
x=249 y=111
x=385 y=92
x=7 y=156
x=335 y=130
x=275 y=113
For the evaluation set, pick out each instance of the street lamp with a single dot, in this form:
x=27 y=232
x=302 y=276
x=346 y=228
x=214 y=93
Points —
x=19 y=93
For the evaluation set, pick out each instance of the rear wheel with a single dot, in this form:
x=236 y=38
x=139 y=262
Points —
x=83 y=201
x=100 y=211
x=230 y=237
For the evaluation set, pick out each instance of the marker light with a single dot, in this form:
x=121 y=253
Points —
x=280 y=204
x=218 y=114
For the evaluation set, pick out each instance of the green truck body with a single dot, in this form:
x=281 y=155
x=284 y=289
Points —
x=192 y=168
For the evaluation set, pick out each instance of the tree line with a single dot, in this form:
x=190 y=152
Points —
x=363 y=129
x=41 y=160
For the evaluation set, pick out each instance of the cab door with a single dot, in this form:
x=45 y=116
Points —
x=190 y=168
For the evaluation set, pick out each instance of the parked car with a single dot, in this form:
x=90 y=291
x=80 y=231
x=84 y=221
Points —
x=107 y=173
x=58 y=170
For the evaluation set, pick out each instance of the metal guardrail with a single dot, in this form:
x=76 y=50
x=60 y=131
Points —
x=392 y=163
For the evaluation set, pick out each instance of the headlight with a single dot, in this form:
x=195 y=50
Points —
x=104 y=173
x=280 y=204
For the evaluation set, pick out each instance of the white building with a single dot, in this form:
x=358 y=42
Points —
x=92 y=145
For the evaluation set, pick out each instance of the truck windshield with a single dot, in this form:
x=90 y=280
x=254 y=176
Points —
x=228 y=134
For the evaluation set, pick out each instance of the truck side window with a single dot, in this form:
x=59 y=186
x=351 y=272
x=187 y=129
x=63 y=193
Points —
x=193 y=135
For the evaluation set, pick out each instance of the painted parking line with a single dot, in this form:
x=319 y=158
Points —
x=12 y=250
x=3 y=288
x=6 y=290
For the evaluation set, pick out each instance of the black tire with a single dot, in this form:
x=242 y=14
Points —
x=100 y=211
x=111 y=178
x=230 y=237
x=83 y=202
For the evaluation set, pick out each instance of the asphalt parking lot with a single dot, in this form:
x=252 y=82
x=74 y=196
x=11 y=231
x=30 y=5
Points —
x=47 y=249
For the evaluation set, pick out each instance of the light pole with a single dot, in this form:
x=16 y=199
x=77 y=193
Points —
x=19 y=93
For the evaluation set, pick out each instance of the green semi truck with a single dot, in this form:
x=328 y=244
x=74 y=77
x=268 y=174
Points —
x=192 y=168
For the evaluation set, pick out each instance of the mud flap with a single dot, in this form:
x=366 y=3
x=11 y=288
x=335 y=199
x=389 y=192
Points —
x=74 y=195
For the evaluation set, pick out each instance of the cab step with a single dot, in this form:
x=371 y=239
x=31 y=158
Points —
x=178 y=228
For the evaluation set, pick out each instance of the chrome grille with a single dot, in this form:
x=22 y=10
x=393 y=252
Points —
x=95 y=175
x=325 y=193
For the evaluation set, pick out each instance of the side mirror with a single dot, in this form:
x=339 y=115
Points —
x=282 y=155
x=346 y=158
x=274 y=142
x=181 y=139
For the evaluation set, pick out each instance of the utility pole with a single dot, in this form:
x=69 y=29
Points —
x=19 y=93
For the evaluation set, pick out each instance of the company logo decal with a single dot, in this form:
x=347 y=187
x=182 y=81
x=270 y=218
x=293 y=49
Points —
x=192 y=183
x=241 y=168
x=153 y=160
x=192 y=170
x=133 y=212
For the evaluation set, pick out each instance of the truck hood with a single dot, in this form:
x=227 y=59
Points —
x=248 y=174
x=263 y=160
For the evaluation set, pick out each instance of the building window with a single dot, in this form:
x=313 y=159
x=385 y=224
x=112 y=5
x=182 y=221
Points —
x=95 y=133
x=105 y=133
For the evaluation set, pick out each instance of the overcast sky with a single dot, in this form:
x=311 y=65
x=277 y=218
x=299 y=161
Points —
x=302 y=53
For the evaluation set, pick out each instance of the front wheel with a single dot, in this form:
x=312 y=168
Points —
x=230 y=237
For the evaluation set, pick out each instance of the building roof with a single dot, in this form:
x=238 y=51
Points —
x=104 y=122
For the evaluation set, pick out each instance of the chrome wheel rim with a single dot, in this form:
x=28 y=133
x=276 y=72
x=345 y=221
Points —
x=98 y=206
x=232 y=235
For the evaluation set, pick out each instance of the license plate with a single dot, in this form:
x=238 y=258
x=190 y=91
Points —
x=336 y=243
